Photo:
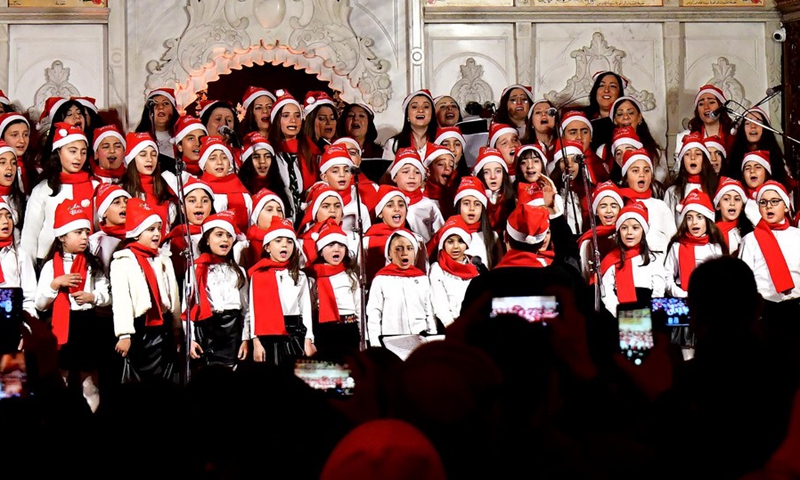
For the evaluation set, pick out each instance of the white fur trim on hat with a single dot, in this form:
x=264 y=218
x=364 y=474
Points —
x=106 y=134
x=101 y=209
x=633 y=159
x=450 y=134
x=715 y=144
x=566 y=150
x=8 y=148
x=73 y=225
x=223 y=224
x=606 y=193
x=219 y=146
x=436 y=153
x=13 y=118
x=726 y=189
x=328 y=239
x=383 y=201
x=314 y=103
x=260 y=206
x=626 y=141
x=279 y=233
x=759 y=160
x=164 y=93
x=407 y=161
x=147 y=223
x=490 y=158
x=632 y=215
x=695 y=207
x=348 y=141
x=257 y=146
x=471 y=193
x=138 y=148
x=186 y=130
x=252 y=97
x=767 y=187
x=499 y=133
x=454 y=231
x=576 y=118
x=713 y=91
x=523 y=238
x=72 y=137
x=685 y=148
x=282 y=103
x=322 y=196
x=634 y=101
x=405 y=234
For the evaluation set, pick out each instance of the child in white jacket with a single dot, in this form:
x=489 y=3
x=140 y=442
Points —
x=451 y=273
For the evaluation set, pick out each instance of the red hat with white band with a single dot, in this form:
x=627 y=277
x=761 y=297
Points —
x=6 y=148
x=210 y=145
x=497 y=130
x=487 y=155
x=106 y=131
x=252 y=93
x=348 y=142
x=51 y=106
x=330 y=232
x=66 y=133
x=406 y=156
x=261 y=198
x=278 y=228
x=70 y=216
x=637 y=211
x=696 y=201
x=575 y=116
x=385 y=194
x=225 y=220
x=713 y=90
x=761 y=157
x=135 y=142
x=105 y=195
x=443 y=133
x=528 y=224
x=434 y=152
x=7 y=118
x=471 y=187
x=454 y=225
x=314 y=100
x=632 y=156
x=603 y=190
x=401 y=232
x=715 y=142
x=727 y=185
x=772 y=185
x=185 y=125
x=423 y=92
x=139 y=216
x=526 y=88
x=4 y=98
x=253 y=142
x=625 y=136
x=335 y=155
x=693 y=140
x=169 y=93
x=283 y=98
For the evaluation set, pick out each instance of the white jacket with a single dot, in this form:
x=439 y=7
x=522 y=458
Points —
x=672 y=266
x=750 y=252
x=131 y=293
x=18 y=272
x=425 y=218
x=399 y=305
x=662 y=224
x=650 y=276
x=447 y=293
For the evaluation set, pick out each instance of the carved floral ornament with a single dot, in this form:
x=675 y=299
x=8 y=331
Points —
x=227 y=35
x=57 y=85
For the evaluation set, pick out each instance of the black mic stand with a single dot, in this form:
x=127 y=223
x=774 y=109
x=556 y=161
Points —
x=598 y=285
x=362 y=272
x=742 y=117
x=565 y=176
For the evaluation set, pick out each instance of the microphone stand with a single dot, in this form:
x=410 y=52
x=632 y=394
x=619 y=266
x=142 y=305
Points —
x=362 y=272
x=598 y=286
x=565 y=177
x=741 y=116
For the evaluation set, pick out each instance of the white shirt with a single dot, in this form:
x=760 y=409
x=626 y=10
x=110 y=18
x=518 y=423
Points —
x=424 y=218
x=650 y=276
x=221 y=288
x=295 y=300
x=734 y=240
x=398 y=306
x=165 y=146
x=477 y=247
x=672 y=265
x=102 y=247
x=348 y=299
x=662 y=224
x=447 y=293
x=96 y=283
x=18 y=272
x=750 y=252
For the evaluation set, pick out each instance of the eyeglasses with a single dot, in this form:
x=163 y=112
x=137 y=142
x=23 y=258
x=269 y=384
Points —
x=772 y=202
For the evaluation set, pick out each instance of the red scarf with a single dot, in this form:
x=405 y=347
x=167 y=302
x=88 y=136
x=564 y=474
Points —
x=290 y=146
x=256 y=235
x=413 y=197
x=626 y=288
x=177 y=236
x=472 y=228
x=61 y=306
x=113 y=173
x=328 y=309
x=192 y=166
x=464 y=271
x=378 y=234
x=519 y=258
x=5 y=191
x=82 y=186
x=434 y=191
x=203 y=306
x=154 y=317
x=632 y=194
x=267 y=316
x=258 y=183
x=686 y=257
x=232 y=187
x=309 y=244
x=393 y=270
x=694 y=179
x=116 y=231
x=776 y=261
x=150 y=198
x=725 y=228
x=346 y=194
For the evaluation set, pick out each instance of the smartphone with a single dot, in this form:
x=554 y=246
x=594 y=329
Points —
x=670 y=312
x=534 y=308
x=635 y=332
x=13 y=376
x=329 y=377
x=10 y=319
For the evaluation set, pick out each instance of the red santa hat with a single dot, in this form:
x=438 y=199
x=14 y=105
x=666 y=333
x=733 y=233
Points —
x=135 y=142
x=528 y=224
x=166 y=92
x=406 y=156
x=443 y=133
x=209 y=105
x=253 y=142
x=106 y=131
x=487 y=155
x=715 y=142
x=497 y=130
x=761 y=157
x=434 y=152
x=139 y=216
x=772 y=185
x=385 y=194
x=536 y=148
x=316 y=195
x=225 y=220
x=261 y=198
x=726 y=185
x=348 y=142
x=87 y=102
x=252 y=93
x=713 y=90
x=530 y=194
x=283 y=98
x=330 y=232
x=525 y=88
x=602 y=73
x=696 y=201
x=625 y=136
x=334 y=155
x=439 y=98
x=625 y=98
x=693 y=140
x=424 y=92
x=190 y=184
x=210 y=145
x=564 y=148
x=637 y=211
x=5 y=206
x=7 y=118
x=316 y=99
x=632 y=156
x=105 y=195
x=537 y=102
x=185 y=125
x=573 y=116
x=71 y=215
x=454 y=225
x=401 y=232
x=279 y=227
x=4 y=98
x=51 y=106
x=471 y=187
x=760 y=111
x=6 y=148
x=603 y=190
x=66 y=133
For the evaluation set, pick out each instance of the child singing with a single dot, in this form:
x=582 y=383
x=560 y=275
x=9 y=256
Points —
x=110 y=207
x=109 y=154
x=451 y=273
x=731 y=221
x=408 y=174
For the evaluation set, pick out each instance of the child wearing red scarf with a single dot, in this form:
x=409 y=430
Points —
x=698 y=239
x=756 y=170
x=146 y=303
x=65 y=176
x=188 y=134
x=399 y=298
x=109 y=154
x=606 y=206
x=71 y=285
x=492 y=171
x=337 y=291
x=452 y=271
x=631 y=273
x=576 y=205
x=217 y=309
x=730 y=201
x=16 y=272
x=110 y=208
x=323 y=203
x=10 y=191
x=441 y=183
x=471 y=205
x=266 y=205
x=695 y=173
x=143 y=180
x=280 y=322
x=408 y=174
x=527 y=238
x=335 y=170
x=367 y=189
x=506 y=140
x=198 y=206
x=216 y=163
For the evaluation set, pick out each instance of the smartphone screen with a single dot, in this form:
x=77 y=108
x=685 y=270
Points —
x=635 y=333
x=13 y=375
x=10 y=319
x=535 y=309
x=672 y=312
x=329 y=377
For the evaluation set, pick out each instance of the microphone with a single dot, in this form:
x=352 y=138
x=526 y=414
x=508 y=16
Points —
x=151 y=104
x=551 y=112
x=225 y=130
x=478 y=264
x=716 y=113
x=355 y=170
x=774 y=90
x=579 y=158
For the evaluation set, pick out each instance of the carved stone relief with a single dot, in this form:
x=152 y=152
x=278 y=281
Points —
x=596 y=57
x=57 y=85
x=314 y=35
x=471 y=87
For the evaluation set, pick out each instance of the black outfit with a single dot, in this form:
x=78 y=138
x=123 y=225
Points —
x=283 y=350
x=337 y=338
x=151 y=353
x=220 y=337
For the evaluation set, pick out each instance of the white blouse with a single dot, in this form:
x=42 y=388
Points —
x=399 y=305
x=96 y=283
x=750 y=252
x=672 y=266
x=650 y=276
x=295 y=300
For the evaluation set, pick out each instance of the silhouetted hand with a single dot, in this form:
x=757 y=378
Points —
x=569 y=335
x=41 y=342
x=654 y=375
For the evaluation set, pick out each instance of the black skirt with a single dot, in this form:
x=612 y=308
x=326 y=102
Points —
x=283 y=350
x=337 y=338
x=220 y=337
x=151 y=354
x=88 y=344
